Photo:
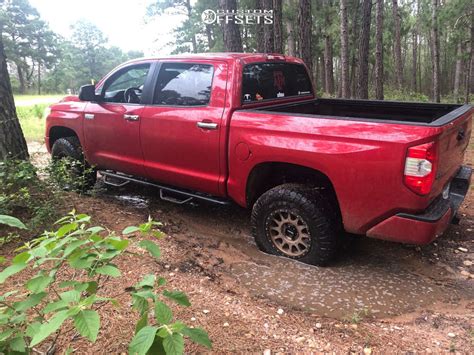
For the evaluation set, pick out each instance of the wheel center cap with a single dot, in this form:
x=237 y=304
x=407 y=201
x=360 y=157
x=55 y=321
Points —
x=290 y=231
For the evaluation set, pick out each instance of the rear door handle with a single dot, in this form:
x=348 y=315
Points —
x=131 y=117
x=89 y=116
x=207 y=125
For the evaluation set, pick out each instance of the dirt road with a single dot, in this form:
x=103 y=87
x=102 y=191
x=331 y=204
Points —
x=378 y=296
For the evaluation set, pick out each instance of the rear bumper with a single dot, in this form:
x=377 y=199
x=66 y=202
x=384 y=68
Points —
x=427 y=226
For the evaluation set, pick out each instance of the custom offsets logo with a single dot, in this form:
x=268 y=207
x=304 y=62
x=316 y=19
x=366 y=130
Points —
x=239 y=17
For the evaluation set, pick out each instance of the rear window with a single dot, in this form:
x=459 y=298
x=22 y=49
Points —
x=265 y=81
x=184 y=84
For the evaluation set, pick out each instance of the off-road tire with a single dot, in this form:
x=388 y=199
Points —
x=315 y=209
x=83 y=176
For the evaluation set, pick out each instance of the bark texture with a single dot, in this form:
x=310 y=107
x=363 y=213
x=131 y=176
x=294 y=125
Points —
x=458 y=72
x=379 y=78
x=232 y=38
x=268 y=35
x=277 y=26
x=12 y=141
x=259 y=36
x=397 y=47
x=435 y=50
x=363 y=71
x=304 y=33
x=345 y=89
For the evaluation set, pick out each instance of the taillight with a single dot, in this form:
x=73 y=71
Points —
x=420 y=165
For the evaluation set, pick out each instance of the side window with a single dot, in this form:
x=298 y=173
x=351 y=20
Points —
x=127 y=85
x=264 y=81
x=184 y=84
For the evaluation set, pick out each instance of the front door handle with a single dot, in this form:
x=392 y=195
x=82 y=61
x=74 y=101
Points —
x=207 y=125
x=131 y=117
x=89 y=116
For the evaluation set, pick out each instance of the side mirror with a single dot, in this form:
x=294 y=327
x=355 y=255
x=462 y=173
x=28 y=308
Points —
x=87 y=93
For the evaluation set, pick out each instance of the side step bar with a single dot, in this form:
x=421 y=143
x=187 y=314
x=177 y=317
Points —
x=186 y=195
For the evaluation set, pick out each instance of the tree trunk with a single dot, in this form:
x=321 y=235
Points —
x=210 y=37
x=415 y=48
x=379 y=50
x=304 y=33
x=328 y=64
x=354 y=55
x=345 y=90
x=268 y=35
x=232 y=38
x=397 y=46
x=21 y=78
x=277 y=26
x=363 y=72
x=457 y=72
x=259 y=36
x=435 y=50
x=470 y=63
x=328 y=52
x=290 y=41
x=12 y=141
x=193 y=36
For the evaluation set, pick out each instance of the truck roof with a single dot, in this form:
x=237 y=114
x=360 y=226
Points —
x=226 y=56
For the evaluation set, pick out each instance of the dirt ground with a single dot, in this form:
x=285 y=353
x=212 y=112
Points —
x=377 y=297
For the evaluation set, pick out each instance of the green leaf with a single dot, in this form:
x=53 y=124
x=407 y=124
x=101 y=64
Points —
x=119 y=244
x=6 y=334
x=87 y=323
x=18 y=344
x=30 y=301
x=65 y=229
x=11 y=221
x=147 y=281
x=198 y=335
x=143 y=340
x=161 y=281
x=32 y=329
x=2 y=259
x=95 y=230
x=50 y=327
x=21 y=258
x=130 y=230
x=152 y=248
x=38 y=283
x=142 y=322
x=140 y=303
x=54 y=306
x=108 y=270
x=174 y=344
x=163 y=313
x=72 y=296
x=11 y=270
x=177 y=296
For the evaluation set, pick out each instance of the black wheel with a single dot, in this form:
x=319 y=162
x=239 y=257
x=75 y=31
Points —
x=69 y=167
x=298 y=222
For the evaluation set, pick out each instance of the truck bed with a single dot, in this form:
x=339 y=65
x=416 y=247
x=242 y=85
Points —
x=384 y=111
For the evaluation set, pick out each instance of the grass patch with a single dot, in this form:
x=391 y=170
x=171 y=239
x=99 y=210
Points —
x=43 y=98
x=32 y=121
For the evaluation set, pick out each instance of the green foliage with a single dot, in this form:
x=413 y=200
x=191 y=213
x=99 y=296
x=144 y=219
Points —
x=27 y=319
x=23 y=194
x=11 y=221
x=32 y=121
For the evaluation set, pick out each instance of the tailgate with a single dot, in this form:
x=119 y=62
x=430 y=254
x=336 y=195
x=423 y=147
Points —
x=453 y=143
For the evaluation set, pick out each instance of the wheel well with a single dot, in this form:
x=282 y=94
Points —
x=57 y=132
x=265 y=176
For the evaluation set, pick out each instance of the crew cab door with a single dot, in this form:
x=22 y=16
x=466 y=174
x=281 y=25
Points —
x=112 y=126
x=181 y=132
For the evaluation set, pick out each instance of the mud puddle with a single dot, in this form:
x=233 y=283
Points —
x=375 y=279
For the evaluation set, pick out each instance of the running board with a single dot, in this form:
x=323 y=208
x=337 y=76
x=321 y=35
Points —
x=186 y=195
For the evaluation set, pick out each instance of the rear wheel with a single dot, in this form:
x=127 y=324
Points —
x=298 y=222
x=69 y=167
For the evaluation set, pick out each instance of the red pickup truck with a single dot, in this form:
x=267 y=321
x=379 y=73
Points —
x=248 y=128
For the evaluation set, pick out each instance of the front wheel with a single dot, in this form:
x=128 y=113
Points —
x=69 y=167
x=298 y=222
